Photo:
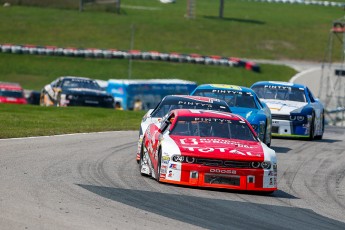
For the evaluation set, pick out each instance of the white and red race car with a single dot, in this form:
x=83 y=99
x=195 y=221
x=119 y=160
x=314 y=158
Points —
x=207 y=149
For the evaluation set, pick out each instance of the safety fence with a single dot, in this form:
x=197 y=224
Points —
x=304 y=2
x=129 y=54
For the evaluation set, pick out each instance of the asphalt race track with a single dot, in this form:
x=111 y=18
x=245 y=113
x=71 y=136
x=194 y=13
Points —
x=91 y=181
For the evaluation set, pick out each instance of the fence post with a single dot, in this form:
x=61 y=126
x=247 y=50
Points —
x=80 y=5
x=118 y=6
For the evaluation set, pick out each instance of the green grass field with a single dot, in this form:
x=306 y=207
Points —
x=29 y=120
x=249 y=30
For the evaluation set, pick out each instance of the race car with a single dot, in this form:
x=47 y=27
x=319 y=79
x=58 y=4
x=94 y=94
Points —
x=75 y=91
x=12 y=93
x=205 y=148
x=171 y=102
x=244 y=102
x=295 y=111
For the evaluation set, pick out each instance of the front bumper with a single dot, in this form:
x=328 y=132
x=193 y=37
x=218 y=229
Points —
x=225 y=178
x=290 y=128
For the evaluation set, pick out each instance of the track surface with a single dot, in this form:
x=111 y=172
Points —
x=91 y=181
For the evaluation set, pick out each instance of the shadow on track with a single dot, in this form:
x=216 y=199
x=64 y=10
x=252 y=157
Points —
x=217 y=213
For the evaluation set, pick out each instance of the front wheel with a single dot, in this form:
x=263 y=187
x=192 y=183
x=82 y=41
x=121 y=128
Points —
x=158 y=175
x=265 y=137
x=143 y=161
x=319 y=137
x=312 y=128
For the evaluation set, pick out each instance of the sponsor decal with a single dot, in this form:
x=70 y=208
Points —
x=195 y=104
x=226 y=86
x=163 y=169
x=222 y=150
x=193 y=141
x=170 y=174
x=206 y=119
x=223 y=171
x=173 y=166
x=278 y=87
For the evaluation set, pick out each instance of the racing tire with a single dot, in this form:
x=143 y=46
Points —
x=268 y=144
x=312 y=128
x=140 y=161
x=158 y=175
x=58 y=100
x=42 y=102
x=319 y=137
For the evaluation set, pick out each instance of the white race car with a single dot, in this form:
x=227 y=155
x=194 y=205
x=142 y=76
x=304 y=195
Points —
x=295 y=111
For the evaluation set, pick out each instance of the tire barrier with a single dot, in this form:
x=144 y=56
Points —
x=129 y=54
x=304 y=2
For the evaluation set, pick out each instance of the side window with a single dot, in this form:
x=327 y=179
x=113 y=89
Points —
x=58 y=83
x=311 y=96
x=259 y=102
x=165 y=124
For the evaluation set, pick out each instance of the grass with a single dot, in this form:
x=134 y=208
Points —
x=29 y=120
x=33 y=72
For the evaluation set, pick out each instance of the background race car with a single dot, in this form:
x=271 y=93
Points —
x=170 y=102
x=75 y=91
x=244 y=102
x=295 y=111
x=11 y=93
x=208 y=149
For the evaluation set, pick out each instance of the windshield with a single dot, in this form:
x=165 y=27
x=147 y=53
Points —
x=11 y=93
x=231 y=97
x=80 y=83
x=287 y=93
x=213 y=127
x=167 y=105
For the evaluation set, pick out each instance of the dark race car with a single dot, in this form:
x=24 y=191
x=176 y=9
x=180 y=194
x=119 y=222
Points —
x=75 y=91
x=171 y=102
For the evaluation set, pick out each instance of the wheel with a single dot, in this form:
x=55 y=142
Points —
x=319 y=137
x=312 y=128
x=268 y=144
x=141 y=160
x=42 y=102
x=58 y=100
x=158 y=175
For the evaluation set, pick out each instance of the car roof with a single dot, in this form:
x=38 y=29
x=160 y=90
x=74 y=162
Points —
x=280 y=83
x=10 y=86
x=225 y=87
x=193 y=98
x=205 y=113
x=74 y=77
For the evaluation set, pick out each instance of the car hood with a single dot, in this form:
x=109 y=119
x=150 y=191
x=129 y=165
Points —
x=283 y=107
x=219 y=148
x=83 y=91
x=247 y=113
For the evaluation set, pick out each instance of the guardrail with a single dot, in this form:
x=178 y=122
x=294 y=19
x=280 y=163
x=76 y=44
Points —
x=304 y=2
x=337 y=116
x=129 y=54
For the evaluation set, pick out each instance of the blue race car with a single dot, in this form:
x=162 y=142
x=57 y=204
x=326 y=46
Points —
x=295 y=111
x=244 y=102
